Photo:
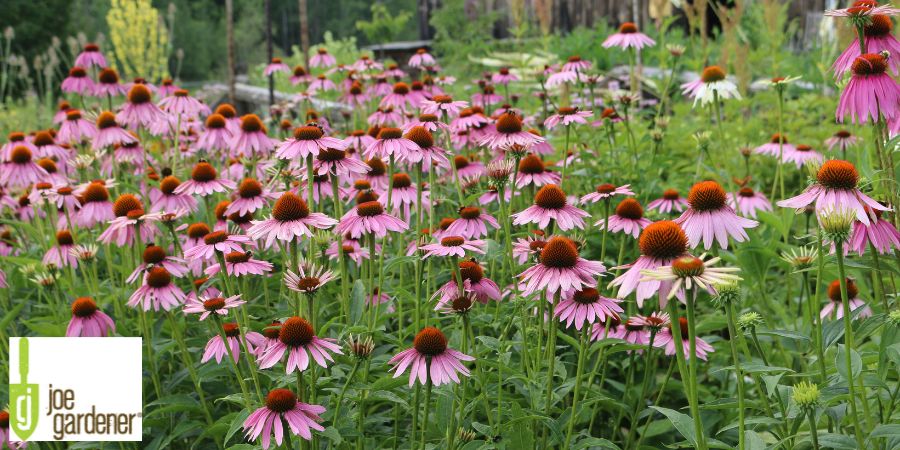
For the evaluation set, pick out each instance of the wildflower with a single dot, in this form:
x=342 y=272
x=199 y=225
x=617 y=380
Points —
x=880 y=233
x=453 y=246
x=216 y=346
x=709 y=217
x=430 y=359
x=871 y=93
x=690 y=271
x=508 y=132
x=660 y=244
x=585 y=306
x=629 y=217
x=369 y=218
x=667 y=339
x=307 y=141
x=250 y=138
x=205 y=306
x=712 y=83
x=309 y=279
x=834 y=309
x=140 y=111
x=747 y=202
x=157 y=291
x=298 y=339
x=204 y=181
x=560 y=269
x=322 y=59
x=628 y=37
x=275 y=66
x=670 y=201
x=567 y=116
x=806 y=395
x=282 y=405
x=88 y=320
x=842 y=140
x=835 y=188
x=550 y=203
x=164 y=198
x=238 y=264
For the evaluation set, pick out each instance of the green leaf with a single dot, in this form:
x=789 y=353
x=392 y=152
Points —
x=595 y=443
x=357 y=301
x=236 y=423
x=836 y=441
x=682 y=422
x=841 y=364
x=785 y=334
x=885 y=431
x=333 y=434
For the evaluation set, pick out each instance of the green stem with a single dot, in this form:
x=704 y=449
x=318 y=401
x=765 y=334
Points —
x=739 y=375
x=848 y=344
x=582 y=351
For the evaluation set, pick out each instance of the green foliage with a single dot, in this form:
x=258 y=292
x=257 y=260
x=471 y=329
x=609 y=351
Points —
x=385 y=25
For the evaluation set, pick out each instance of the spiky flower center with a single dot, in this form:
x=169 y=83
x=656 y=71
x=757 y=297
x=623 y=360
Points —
x=401 y=88
x=169 y=184
x=586 y=296
x=281 y=400
x=509 y=123
x=471 y=270
x=401 y=181
x=606 y=188
x=214 y=304
x=272 y=331
x=706 y=196
x=73 y=114
x=20 y=155
x=663 y=240
x=746 y=192
x=203 y=172
x=125 y=204
x=139 y=94
x=308 y=133
x=390 y=133
x=377 y=167
x=838 y=174
x=250 y=188
x=869 y=64
x=216 y=237
x=251 y=123
x=461 y=162
x=420 y=136
x=682 y=328
x=96 y=192
x=430 y=342
x=834 y=290
x=531 y=165
x=84 y=307
x=688 y=266
x=452 y=241
x=630 y=209
x=64 y=237
x=803 y=148
x=154 y=254
x=296 y=332
x=158 y=277
x=842 y=134
x=106 y=120
x=41 y=139
x=290 y=207
x=880 y=25
x=197 y=230
x=628 y=28
x=369 y=209
x=470 y=212
x=559 y=252
x=226 y=111
x=712 y=74
x=550 y=196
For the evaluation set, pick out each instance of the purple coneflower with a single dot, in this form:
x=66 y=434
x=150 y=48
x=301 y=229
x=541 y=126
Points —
x=560 y=269
x=157 y=292
x=290 y=218
x=205 y=306
x=421 y=59
x=215 y=348
x=204 y=181
x=508 y=132
x=430 y=360
x=181 y=104
x=532 y=171
x=251 y=138
x=75 y=129
x=369 y=218
x=308 y=279
x=443 y=104
x=690 y=272
x=220 y=241
x=139 y=111
x=800 y=155
x=90 y=56
x=275 y=66
x=747 y=202
x=711 y=84
x=20 y=170
x=474 y=282
x=660 y=243
x=871 y=92
x=835 y=188
x=710 y=218
x=108 y=84
x=78 y=82
x=880 y=233
x=550 y=203
x=629 y=218
x=95 y=205
x=238 y=264
x=109 y=133
x=834 y=309
x=391 y=143
x=472 y=223
x=252 y=196
x=307 y=141
x=154 y=256
x=607 y=190
x=282 y=405
x=298 y=339
x=628 y=37
x=60 y=255
x=666 y=340
x=164 y=198
x=322 y=59
x=584 y=307
x=453 y=246
x=842 y=140
x=88 y=320
x=300 y=75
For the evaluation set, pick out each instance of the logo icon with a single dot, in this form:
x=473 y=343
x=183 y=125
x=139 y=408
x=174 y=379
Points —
x=24 y=398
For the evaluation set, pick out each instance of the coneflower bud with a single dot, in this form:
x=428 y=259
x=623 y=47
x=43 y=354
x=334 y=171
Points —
x=360 y=347
x=749 y=321
x=466 y=435
x=893 y=318
x=837 y=224
x=727 y=294
x=806 y=395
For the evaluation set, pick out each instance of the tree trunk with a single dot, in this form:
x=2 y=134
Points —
x=304 y=32
x=268 y=6
x=229 y=33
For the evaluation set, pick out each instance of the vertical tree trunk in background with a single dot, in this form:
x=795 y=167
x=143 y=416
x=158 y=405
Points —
x=304 y=32
x=229 y=36
x=268 y=7
x=423 y=18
